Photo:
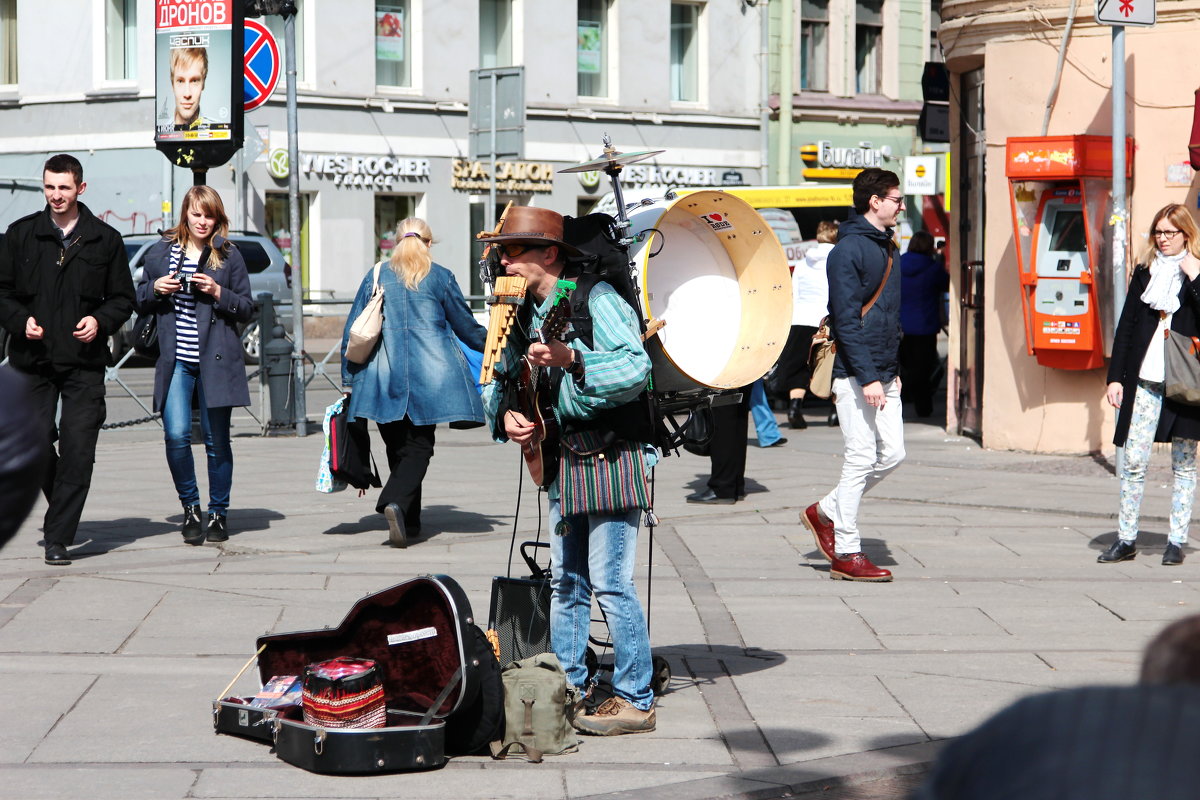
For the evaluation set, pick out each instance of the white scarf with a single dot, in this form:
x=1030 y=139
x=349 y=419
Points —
x=1166 y=279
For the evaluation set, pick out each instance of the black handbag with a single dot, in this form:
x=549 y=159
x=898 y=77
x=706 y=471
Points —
x=145 y=335
x=350 y=457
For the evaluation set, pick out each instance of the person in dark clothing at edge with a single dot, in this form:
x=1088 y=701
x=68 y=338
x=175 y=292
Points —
x=65 y=288
x=22 y=456
x=923 y=280
x=866 y=383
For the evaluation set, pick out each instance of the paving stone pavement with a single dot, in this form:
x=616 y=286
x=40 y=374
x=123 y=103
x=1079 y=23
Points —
x=783 y=681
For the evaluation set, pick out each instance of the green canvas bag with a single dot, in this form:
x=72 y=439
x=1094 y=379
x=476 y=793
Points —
x=535 y=710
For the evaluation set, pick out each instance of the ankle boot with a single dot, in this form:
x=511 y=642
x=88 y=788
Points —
x=217 y=532
x=192 y=532
x=796 y=419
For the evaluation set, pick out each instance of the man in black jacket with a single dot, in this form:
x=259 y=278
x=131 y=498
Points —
x=65 y=288
x=864 y=313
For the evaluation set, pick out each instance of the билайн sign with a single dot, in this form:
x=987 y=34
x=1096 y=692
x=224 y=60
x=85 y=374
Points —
x=512 y=177
x=369 y=172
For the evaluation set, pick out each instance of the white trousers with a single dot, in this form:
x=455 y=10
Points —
x=874 y=445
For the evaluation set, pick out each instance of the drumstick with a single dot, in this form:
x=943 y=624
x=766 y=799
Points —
x=242 y=671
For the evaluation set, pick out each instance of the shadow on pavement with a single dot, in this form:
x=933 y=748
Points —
x=434 y=520
x=1145 y=541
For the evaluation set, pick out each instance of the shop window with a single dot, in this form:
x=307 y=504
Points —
x=274 y=23
x=495 y=34
x=279 y=228
x=814 y=45
x=8 y=41
x=868 y=46
x=393 y=43
x=592 y=52
x=391 y=209
x=120 y=40
x=685 y=52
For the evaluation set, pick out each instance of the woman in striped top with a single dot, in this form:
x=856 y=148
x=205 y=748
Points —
x=196 y=283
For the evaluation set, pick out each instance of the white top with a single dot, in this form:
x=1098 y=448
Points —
x=1154 y=367
x=810 y=287
x=187 y=335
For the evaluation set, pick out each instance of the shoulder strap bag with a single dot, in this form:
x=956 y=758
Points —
x=367 y=327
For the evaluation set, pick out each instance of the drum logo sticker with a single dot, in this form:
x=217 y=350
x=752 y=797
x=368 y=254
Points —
x=718 y=222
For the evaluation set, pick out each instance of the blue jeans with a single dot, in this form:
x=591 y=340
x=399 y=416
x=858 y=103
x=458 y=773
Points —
x=596 y=557
x=177 y=430
x=764 y=418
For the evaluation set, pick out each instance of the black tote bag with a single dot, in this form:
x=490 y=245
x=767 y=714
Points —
x=350 y=451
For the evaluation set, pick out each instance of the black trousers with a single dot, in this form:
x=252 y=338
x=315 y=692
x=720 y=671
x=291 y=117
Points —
x=918 y=364
x=409 y=450
x=727 y=450
x=68 y=477
x=793 y=363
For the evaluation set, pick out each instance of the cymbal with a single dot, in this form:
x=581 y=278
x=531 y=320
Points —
x=613 y=159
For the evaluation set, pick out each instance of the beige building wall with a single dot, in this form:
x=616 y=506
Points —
x=1027 y=406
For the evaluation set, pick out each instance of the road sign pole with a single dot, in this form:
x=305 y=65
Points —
x=1120 y=212
x=300 y=406
x=491 y=215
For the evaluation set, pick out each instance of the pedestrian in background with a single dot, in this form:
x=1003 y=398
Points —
x=923 y=281
x=1163 y=295
x=810 y=304
x=22 y=452
x=196 y=284
x=64 y=289
x=417 y=376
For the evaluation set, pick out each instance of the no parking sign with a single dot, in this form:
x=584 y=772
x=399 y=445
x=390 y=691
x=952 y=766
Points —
x=262 y=65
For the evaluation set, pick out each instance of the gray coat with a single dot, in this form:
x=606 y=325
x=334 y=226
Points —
x=222 y=367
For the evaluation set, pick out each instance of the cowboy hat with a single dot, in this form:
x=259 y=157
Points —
x=529 y=224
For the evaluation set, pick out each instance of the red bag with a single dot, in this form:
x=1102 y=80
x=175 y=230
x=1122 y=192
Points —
x=344 y=693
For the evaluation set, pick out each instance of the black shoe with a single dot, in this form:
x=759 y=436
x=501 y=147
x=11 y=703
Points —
x=796 y=419
x=192 y=532
x=833 y=419
x=1118 y=551
x=1172 y=555
x=218 y=531
x=780 y=442
x=709 y=497
x=56 y=555
x=397 y=533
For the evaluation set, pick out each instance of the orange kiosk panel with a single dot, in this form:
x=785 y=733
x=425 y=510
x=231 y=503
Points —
x=1059 y=188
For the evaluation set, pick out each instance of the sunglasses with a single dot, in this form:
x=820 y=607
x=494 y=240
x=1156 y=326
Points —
x=512 y=250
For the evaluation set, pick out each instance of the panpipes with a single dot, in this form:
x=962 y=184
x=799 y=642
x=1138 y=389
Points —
x=508 y=296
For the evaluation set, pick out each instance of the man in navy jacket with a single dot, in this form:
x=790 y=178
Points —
x=866 y=382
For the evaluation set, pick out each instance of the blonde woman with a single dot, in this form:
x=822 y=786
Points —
x=417 y=376
x=1163 y=295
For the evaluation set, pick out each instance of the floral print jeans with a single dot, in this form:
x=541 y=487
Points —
x=1147 y=405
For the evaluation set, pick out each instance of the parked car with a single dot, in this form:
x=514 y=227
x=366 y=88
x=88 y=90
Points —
x=269 y=272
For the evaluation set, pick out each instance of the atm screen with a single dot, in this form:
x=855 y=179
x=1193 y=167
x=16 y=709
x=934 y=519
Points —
x=1066 y=232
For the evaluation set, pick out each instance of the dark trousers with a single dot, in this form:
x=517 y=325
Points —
x=69 y=470
x=727 y=450
x=918 y=364
x=409 y=449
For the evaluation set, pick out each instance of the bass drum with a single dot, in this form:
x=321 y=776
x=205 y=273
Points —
x=714 y=273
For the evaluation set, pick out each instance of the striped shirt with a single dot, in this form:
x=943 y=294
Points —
x=615 y=370
x=187 y=335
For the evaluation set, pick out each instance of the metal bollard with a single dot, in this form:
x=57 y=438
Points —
x=276 y=364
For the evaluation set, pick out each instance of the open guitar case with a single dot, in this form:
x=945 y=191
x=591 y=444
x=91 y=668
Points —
x=441 y=682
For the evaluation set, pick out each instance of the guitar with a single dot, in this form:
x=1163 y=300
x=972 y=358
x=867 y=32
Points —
x=535 y=396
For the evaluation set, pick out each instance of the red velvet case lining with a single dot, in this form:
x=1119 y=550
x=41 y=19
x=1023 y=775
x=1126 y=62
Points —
x=415 y=671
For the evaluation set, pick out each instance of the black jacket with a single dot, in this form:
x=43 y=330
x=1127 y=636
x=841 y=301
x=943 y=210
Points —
x=59 y=286
x=1134 y=331
x=867 y=348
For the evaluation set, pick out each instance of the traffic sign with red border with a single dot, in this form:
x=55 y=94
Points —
x=262 y=64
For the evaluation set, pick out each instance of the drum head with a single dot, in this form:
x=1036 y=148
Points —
x=714 y=272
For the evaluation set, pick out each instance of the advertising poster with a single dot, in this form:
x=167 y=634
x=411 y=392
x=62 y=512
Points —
x=193 y=62
x=589 y=47
x=389 y=34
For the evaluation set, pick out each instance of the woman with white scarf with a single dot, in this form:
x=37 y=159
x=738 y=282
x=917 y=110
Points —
x=1163 y=294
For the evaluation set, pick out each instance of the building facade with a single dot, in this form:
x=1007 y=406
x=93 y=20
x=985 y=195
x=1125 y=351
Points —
x=384 y=91
x=1016 y=72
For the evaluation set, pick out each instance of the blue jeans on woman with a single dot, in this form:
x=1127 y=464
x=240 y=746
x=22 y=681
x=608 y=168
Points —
x=596 y=556
x=177 y=429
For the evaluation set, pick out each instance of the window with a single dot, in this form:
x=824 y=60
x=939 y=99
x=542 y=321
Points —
x=120 y=40
x=495 y=34
x=814 y=45
x=393 y=44
x=8 y=41
x=277 y=210
x=868 y=46
x=274 y=23
x=390 y=210
x=592 y=53
x=685 y=52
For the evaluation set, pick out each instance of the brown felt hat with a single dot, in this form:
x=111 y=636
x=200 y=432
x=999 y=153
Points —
x=529 y=224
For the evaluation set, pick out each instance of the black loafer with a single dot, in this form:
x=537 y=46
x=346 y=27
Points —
x=56 y=555
x=1118 y=551
x=780 y=442
x=1172 y=555
x=710 y=498
x=397 y=533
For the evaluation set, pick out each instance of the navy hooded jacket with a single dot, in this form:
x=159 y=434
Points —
x=867 y=348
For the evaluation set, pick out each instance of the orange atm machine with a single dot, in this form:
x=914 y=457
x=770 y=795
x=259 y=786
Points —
x=1059 y=187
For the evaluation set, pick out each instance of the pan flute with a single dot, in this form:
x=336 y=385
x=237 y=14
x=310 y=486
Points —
x=507 y=298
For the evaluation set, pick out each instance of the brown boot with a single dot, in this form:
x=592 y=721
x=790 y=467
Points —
x=857 y=567
x=614 y=717
x=821 y=531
